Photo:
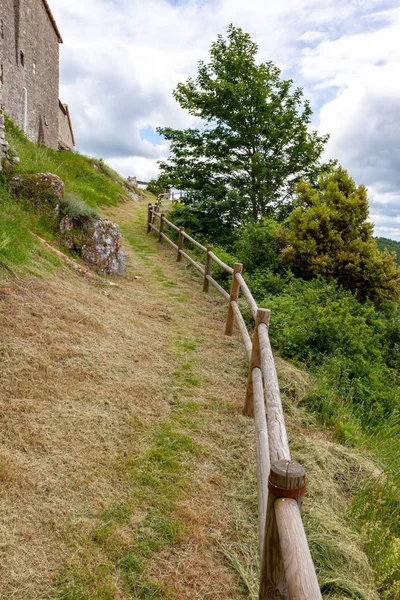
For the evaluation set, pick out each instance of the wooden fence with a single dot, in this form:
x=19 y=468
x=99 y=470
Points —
x=286 y=568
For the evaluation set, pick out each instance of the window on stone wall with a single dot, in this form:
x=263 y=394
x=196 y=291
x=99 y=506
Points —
x=22 y=57
x=1 y=73
x=2 y=29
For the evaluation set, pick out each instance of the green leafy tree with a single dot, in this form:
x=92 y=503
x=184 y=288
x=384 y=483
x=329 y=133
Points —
x=158 y=186
x=329 y=236
x=253 y=145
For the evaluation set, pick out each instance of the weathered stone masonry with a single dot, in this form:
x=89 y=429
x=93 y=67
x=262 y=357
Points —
x=29 y=68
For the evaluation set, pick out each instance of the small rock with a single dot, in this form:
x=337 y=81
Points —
x=137 y=277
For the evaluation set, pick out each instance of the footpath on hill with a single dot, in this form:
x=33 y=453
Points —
x=127 y=469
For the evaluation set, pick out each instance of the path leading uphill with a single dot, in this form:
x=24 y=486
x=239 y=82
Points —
x=126 y=467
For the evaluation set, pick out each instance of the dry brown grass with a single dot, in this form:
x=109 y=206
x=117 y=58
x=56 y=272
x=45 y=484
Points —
x=88 y=373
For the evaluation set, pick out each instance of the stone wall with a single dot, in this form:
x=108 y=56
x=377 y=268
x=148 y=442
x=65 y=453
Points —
x=3 y=143
x=65 y=134
x=29 y=55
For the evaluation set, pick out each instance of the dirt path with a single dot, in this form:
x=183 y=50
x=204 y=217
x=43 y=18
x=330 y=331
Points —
x=127 y=469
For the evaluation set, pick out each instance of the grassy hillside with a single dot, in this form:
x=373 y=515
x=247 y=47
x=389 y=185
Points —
x=391 y=245
x=128 y=456
x=87 y=178
x=126 y=467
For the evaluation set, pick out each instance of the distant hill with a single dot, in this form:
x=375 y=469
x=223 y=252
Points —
x=391 y=245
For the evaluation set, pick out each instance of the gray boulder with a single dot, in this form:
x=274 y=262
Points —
x=102 y=249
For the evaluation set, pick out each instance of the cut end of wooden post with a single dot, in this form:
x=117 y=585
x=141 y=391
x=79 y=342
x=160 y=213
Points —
x=263 y=316
x=287 y=480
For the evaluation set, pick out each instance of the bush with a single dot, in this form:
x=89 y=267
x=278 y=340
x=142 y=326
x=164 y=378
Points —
x=205 y=226
x=329 y=235
x=256 y=247
x=344 y=343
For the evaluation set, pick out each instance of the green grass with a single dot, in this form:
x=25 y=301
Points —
x=89 y=185
x=157 y=477
x=88 y=178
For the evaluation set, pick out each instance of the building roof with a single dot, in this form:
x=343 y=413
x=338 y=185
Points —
x=65 y=109
x=53 y=22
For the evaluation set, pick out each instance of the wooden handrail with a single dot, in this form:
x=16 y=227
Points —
x=242 y=327
x=262 y=449
x=192 y=261
x=287 y=570
x=247 y=294
x=278 y=439
x=194 y=242
x=218 y=287
x=172 y=225
x=221 y=264
x=169 y=241
x=300 y=575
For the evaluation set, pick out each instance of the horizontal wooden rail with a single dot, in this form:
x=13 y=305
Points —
x=154 y=227
x=278 y=439
x=192 y=261
x=262 y=449
x=169 y=241
x=221 y=264
x=155 y=213
x=171 y=224
x=194 y=242
x=242 y=327
x=247 y=294
x=218 y=287
x=299 y=569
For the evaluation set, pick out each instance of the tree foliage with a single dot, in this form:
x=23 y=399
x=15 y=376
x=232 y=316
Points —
x=390 y=245
x=329 y=235
x=158 y=186
x=254 y=144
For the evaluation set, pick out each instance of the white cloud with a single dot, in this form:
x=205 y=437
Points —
x=363 y=117
x=122 y=58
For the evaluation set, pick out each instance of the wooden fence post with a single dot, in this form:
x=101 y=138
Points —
x=235 y=287
x=287 y=480
x=161 y=228
x=207 y=269
x=149 y=215
x=263 y=316
x=180 y=244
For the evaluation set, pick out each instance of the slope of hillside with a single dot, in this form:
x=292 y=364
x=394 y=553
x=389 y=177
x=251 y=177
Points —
x=390 y=245
x=127 y=468
x=86 y=178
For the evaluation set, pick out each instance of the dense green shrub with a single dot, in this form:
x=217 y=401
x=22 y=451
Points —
x=344 y=342
x=329 y=235
x=256 y=247
x=205 y=226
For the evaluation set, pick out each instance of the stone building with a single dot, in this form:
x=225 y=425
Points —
x=66 y=140
x=29 y=68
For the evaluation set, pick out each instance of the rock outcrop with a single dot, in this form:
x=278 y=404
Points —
x=44 y=191
x=7 y=154
x=102 y=248
x=97 y=241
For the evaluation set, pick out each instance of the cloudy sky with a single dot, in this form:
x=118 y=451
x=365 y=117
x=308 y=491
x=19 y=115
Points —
x=121 y=59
